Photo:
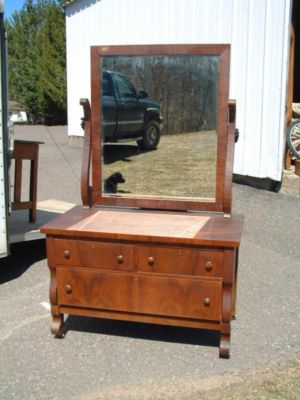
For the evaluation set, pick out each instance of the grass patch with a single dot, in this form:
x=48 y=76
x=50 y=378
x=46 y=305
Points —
x=183 y=165
x=279 y=383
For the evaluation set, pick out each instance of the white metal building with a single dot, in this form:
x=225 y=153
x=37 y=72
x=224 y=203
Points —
x=258 y=31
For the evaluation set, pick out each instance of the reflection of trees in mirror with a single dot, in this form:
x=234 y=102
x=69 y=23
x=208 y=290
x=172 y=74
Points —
x=182 y=168
x=185 y=85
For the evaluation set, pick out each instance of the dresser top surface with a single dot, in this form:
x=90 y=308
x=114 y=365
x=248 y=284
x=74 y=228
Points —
x=140 y=225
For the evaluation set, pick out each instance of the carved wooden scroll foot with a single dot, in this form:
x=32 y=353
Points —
x=57 y=322
x=224 y=351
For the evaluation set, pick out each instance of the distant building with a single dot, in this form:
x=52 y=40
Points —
x=16 y=113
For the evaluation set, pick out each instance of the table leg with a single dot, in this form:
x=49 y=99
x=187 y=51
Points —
x=33 y=187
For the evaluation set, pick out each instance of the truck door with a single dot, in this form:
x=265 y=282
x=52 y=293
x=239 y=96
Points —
x=130 y=110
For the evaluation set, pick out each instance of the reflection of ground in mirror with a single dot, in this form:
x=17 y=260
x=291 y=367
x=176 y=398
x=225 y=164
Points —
x=183 y=165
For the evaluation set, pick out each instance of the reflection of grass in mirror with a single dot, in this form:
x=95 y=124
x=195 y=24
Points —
x=183 y=165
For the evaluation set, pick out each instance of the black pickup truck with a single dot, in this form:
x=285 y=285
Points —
x=128 y=114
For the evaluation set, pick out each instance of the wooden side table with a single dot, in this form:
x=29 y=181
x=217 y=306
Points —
x=26 y=150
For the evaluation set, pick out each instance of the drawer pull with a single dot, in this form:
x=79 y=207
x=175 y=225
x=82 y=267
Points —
x=120 y=259
x=208 y=266
x=151 y=260
x=206 y=301
x=68 y=289
x=67 y=254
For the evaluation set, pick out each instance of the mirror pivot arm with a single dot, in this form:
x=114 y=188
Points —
x=86 y=189
x=230 y=157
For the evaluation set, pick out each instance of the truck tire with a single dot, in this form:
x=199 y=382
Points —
x=151 y=136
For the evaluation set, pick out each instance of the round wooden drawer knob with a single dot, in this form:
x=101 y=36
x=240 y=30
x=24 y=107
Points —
x=68 y=289
x=206 y=301
x=120 y=259
x=208 y=266
x=151 y=260
x=67 y=254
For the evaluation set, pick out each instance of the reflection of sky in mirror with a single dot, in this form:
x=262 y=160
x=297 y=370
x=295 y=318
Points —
x=185 y=87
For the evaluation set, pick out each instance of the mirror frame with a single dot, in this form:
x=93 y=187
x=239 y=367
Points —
x=223 y=173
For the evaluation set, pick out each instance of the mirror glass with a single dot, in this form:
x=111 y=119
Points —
x=158 y=125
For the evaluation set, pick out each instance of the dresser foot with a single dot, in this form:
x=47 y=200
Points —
x=224 y=351
x=57 y=325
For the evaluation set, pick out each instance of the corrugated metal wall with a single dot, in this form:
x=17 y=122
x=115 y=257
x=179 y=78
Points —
x=258 y=31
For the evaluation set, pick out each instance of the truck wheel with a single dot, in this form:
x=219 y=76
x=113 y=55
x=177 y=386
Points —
x=151 y=136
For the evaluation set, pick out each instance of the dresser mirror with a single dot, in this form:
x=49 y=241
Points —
x=159 y=125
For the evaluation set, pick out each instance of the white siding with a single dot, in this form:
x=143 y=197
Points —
x=258 y=31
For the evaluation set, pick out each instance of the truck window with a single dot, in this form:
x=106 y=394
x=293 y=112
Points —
x=124 y=87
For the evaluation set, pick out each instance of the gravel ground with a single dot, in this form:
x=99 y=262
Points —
x=117 y=360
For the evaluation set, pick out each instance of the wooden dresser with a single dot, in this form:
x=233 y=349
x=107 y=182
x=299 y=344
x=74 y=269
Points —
x=157 y=267
x=151 y=260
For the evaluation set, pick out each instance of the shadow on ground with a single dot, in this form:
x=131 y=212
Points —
x=22 y=256
x=142 y=331
x=117 y=152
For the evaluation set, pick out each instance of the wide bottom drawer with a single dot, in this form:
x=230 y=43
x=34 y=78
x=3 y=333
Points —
x=144 y=294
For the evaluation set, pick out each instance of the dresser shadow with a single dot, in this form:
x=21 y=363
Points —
x=143 y=331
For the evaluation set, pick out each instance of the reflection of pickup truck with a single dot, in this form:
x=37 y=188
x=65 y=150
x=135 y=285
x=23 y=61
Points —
x=128 y=114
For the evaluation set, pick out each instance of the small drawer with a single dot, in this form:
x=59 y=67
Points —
x=180 y=261
x=94 y=254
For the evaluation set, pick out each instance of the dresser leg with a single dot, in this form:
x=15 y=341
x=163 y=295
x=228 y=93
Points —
x=224 y=351
x=57 y=322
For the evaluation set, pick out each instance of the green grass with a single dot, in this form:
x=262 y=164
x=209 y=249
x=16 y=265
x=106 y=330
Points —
x=282 y=382
x=183 y=165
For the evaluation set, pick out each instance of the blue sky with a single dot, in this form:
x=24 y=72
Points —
x=12 y=5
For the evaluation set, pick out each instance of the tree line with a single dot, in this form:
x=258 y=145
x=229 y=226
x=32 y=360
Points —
x=185 y=85
x=36 y=60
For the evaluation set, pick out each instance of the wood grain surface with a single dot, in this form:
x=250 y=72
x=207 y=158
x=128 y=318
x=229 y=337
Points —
x=140 y=294
x=123 y=224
